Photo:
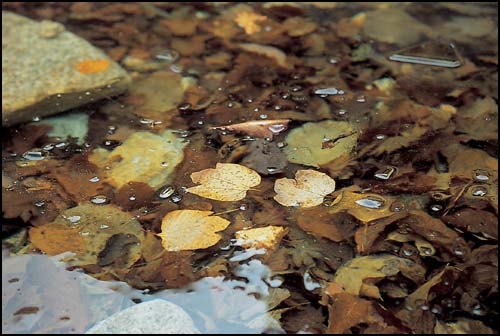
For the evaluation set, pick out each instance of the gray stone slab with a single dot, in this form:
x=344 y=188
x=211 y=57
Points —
x=40 y=73
x=151 y=317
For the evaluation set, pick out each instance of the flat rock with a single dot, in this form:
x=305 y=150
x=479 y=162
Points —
x=151 y=317
x=46 y=70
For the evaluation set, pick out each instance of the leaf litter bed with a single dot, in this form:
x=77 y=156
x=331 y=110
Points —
x=278 y=141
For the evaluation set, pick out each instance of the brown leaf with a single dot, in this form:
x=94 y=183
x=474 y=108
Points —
x=320 y=223
x=366 y=235
x=265 y=157
x=438 y=234
x=258 y=128
x=347 y=311
x=475 y=221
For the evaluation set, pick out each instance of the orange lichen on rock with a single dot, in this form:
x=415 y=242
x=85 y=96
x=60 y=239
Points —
x=248 y=21
x=93 y=66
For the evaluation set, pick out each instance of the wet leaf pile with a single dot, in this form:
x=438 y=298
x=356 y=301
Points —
x=280 y=134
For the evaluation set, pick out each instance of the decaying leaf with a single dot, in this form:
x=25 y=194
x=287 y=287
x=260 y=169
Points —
x=97 y=234
x=423 y=246
x=319 y=222
x=352 y=276
x=413 y=316
x=265 y=157
x=365 y=207
x=307 y=190
x=258 y=128
x=315 y=144
x=191 y=229
x=348 y=310
x=227 y=182
x=265 y=237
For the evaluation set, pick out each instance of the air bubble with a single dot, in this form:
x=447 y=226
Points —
x=479 y=191
x=94 y=179
x=380 y=136
x=481 y=175
x=166 y=192
x=397 y=207
x=361 y=99
x=263 y=116
x=436 y=207
x=371 y=202
x=176 y=198
x=100 y=199
x=385 y=174
x=34 y=154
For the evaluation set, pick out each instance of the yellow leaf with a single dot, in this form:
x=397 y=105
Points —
x=307 y=190
x=365 y=207
x=248 y=21
x=352 y=275
x=227 y=182
x=191 y=229
x=265 y=237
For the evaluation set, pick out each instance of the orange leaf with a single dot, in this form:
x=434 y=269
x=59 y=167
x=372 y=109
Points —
x=93 y=66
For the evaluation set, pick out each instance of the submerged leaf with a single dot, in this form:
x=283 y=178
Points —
x=227 y=182
x=347 y=311
x=191 y=229
x=307 y=190
x=97 y=234
x=316 y=144
x=352 y=275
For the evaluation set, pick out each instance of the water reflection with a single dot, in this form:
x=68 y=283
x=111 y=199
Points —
x=71 y=301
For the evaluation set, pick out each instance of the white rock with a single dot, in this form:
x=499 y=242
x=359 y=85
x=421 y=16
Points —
x=152 y=317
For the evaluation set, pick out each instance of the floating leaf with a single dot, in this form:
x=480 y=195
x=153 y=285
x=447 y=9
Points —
x=307 y=190
x=365 y=207
x=265 y=237
x=315 y=144
x=227 y=182
x=352 y=275
x=191 y=229
x=258 y=128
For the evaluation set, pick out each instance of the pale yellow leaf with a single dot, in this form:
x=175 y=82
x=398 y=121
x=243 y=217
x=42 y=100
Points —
x=265 y=237
x=307 y=190
x=227 y=182
x=191 y=229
